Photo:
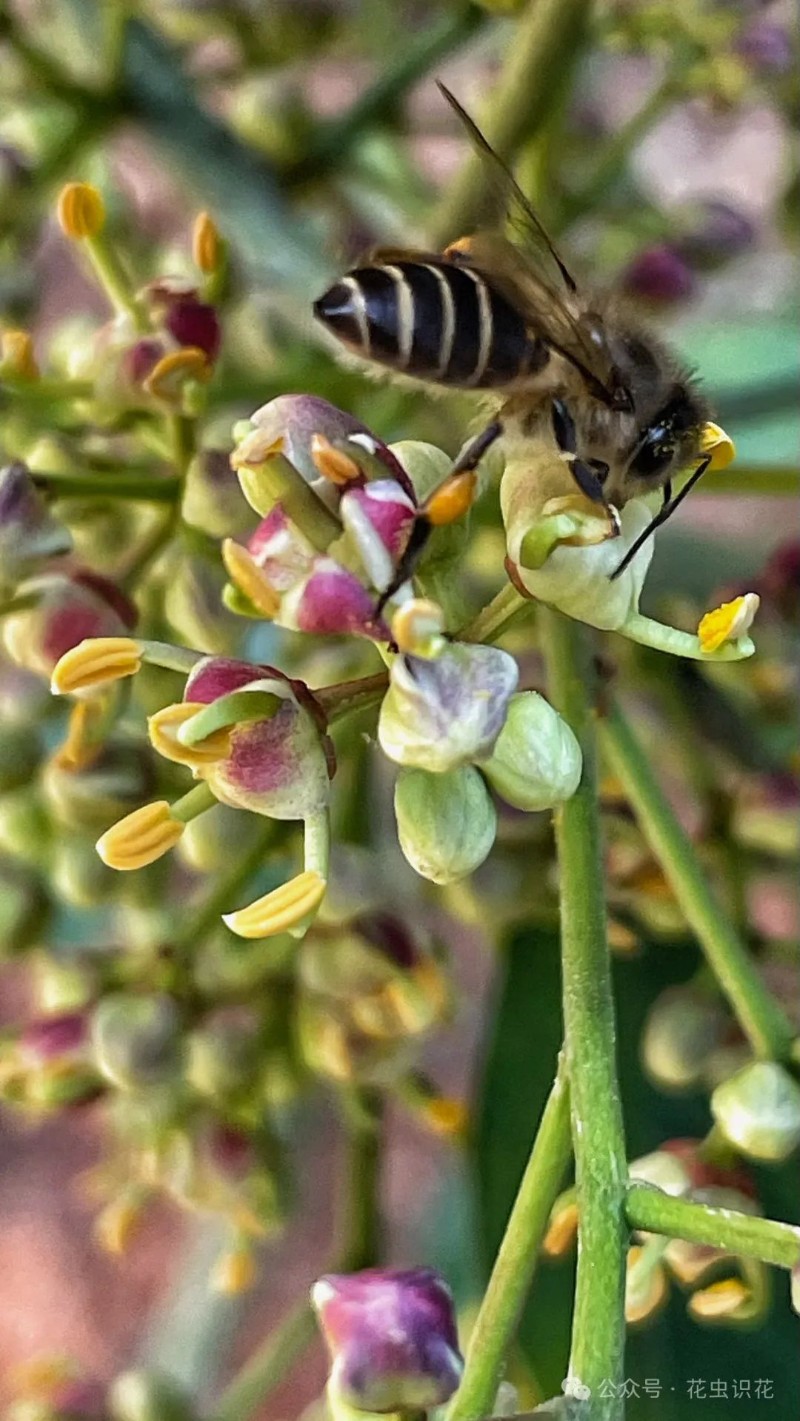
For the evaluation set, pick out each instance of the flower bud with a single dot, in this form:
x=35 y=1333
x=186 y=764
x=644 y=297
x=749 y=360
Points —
x=136 y=1040
x=223 y=1052
x=94 y=796
x=29 y=534
x=719 y=233
x=194 y=324
x=79 y=877
x=446 y=823
x=758 y=1111
x=23 y=909
x=68 y=609
x=536 y=762
x=81 y=212
x=290 y=423
x=766 y=47
x=147 y=1396
x=25 y=829
x=442 y=713
x=682 y=1029
x=658 y=275
x=212 y=498
x=392 y=1338
x=19 y=755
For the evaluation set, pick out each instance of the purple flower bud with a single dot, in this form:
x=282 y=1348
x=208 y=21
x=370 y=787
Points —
x=28 y=532
x=138 y=360
x=280 y=765
x=69 y=608
x=52 y=1037
x=332 y=600
x=392 y=1338
x=658 y=274
x=766 y=47
x=295 y=419
x=193 y=322
x=719 y=233
x=449 y=711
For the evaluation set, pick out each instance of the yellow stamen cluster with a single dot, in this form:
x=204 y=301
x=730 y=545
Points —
x=281 y=910
x=95 y=663
x=81 y=212
x=17 y=360
x=333 y=463
x=728 y=622
x=164 y=730
x=141 y=837
x=248 y=577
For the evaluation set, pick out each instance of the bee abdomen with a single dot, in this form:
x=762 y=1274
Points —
x=438 y=321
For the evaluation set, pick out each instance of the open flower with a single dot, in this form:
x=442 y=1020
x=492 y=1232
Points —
x=392 y=1338
x=565 y=550
x=448 y=711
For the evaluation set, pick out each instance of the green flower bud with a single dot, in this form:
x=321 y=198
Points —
x=147 y=1396
x=536 y=762
x=19 y=756
x=223 y=1052
x=94 y=797
x=25 y=831
x=681 y=1031
x=79 y=875
x=137 y=1040
x=446 y=823
x=193 y=604
x=758 y=1111
x=23 y=910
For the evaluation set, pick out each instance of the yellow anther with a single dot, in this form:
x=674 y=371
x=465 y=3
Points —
x=115 y=1226
x=723 y=1299
x=80 y=746
x=461 y=247
x=418 y=627
x=719 y=445
x=281 y=910
x=206 y=244
x=169 y=375
x=81 y=212
x=233 y=1272
x=255 y=448
x=333 y=463
x=141 y=837
x=94 y=664
x=163 y=728
x=728 y=622
x=17 y=359
x=452 y=499
x=562 y=1231
x=447 y=1116
x=250 y=579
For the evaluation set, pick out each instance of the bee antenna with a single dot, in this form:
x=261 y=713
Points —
x=666 y=511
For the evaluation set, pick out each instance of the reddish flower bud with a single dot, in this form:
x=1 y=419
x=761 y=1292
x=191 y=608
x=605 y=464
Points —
x=195 y=323
x=659 y=275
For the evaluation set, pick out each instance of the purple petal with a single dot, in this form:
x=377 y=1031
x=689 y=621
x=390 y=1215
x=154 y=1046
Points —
x=334 y=601
x=217 y=676
x=297 y=418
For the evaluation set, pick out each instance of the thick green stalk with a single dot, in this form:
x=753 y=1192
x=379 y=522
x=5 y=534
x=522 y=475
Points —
x=649 y=1208
x=516 y=1260
x=760 y=1016
x=546 y=43
x=598 y=1329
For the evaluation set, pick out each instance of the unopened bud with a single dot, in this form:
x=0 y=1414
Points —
x=682 y=1029
x=137 y=1039
x=446 y=823
x=645 y=1286
x=758 y=1111
x=536 y=762
x=80 y=211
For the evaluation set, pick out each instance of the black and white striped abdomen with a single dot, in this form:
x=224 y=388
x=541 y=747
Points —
x=438 y=321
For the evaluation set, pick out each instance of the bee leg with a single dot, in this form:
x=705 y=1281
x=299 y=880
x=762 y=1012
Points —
x=588 y=476
x=449 y=501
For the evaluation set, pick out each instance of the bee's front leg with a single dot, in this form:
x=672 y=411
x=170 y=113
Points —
x=588 y=474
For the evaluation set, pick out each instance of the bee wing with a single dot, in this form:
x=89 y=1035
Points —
x=532 y=274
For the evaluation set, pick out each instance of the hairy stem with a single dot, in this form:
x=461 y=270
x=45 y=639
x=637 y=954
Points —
x=516 y=1260
x=759 y=1015
x=544 y=47
x=649 y=1208
x=598 y=1330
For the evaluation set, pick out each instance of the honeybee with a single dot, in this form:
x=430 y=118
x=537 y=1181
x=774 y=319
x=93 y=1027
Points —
x=494 y=314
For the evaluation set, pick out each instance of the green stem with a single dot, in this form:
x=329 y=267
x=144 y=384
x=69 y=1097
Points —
x=649 y=1208
x=761 y=1018
x=515 y=1263
x=493 y=619
x=335 y=142
x=146 y=490
x=345 y=696
x=223 y=893
x=195 y=802
x=112 y=277
x=598 y=1330
x=277 y=481
x=546 y=43
x=360 y=1234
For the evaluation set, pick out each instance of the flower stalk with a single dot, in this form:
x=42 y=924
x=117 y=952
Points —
x=656 y=1212
x=598 y=1330
x=760 y=1016
x=516 y=1260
